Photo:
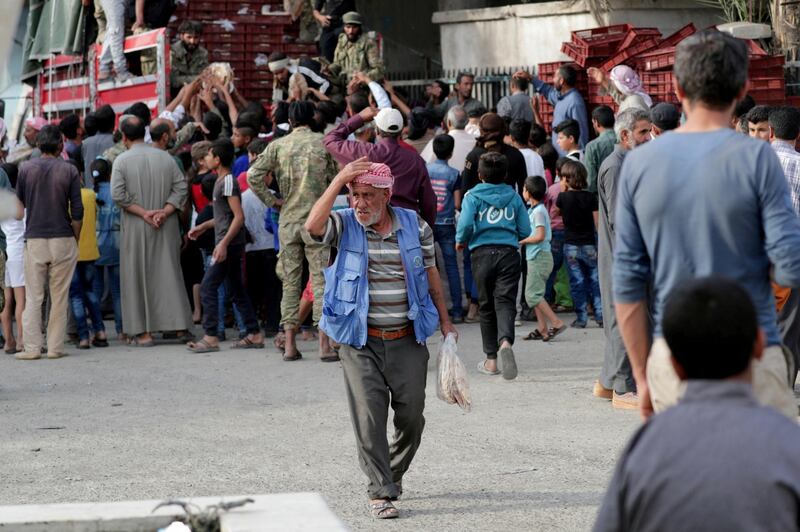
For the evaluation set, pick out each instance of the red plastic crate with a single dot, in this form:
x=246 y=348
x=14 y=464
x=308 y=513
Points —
x=582 y=60
x=656 y=60
x=767 y=61
x=591 y=36
x=678 y=36
x=632 y=51
x=768 y=95
x=767 y=83
x=637 y=35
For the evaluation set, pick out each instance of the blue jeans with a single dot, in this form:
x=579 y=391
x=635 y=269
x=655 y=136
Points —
x=445 y=235
x=582 y=269
x=83 y=297
x=557 y=249
x=470 y=288
x=113 y=281
x=222 y=296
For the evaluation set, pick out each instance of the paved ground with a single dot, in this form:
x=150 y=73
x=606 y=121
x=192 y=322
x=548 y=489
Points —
x=124 y=423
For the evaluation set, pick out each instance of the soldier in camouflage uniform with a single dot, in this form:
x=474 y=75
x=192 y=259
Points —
x=187 y=58
x=355 y=52
x=304 y=169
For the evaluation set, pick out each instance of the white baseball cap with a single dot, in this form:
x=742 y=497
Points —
x=389 y=120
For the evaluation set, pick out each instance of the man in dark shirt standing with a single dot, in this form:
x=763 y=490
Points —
x=412 y=185
x=49 y=191
x=329 y=15
x=717 y=460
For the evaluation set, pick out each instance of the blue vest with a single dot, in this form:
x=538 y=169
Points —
x=346 y=301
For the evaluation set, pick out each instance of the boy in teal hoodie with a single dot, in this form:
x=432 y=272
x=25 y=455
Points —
x=493 y=221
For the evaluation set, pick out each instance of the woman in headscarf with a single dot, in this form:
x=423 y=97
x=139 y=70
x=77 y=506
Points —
x=622 y=84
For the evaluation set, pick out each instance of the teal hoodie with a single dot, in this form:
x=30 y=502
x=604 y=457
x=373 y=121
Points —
x=492 y=215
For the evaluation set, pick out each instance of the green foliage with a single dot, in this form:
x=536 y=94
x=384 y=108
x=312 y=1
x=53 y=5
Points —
x=742 y=10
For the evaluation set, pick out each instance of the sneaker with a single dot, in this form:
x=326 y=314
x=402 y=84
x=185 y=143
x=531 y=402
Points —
x=23 y=355
x=625 y=401
x=578 y=324
x=598 y=390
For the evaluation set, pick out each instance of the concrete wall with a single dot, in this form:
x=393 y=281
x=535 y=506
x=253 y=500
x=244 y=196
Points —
x=528 y=34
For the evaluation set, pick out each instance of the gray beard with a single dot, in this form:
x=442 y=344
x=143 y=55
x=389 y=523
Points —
x=372 y=220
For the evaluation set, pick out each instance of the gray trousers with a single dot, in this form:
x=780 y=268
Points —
x=616 y=373
x=384 y=373
x=113 y=45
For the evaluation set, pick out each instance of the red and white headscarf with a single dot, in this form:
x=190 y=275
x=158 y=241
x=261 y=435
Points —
x=379 y=175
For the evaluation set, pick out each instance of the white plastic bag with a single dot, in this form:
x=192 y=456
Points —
x=451 y=382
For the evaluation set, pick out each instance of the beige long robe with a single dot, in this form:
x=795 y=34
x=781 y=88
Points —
x=151 y=280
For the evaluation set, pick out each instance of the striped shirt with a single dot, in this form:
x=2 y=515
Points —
x=790 y=162
x=224 y=188
x=388 y=297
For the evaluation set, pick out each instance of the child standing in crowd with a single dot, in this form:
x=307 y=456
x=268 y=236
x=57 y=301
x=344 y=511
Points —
x=242 y=136
x=83 y=290
x=15 y=273
x=493 y=221
x=261 y=255
x=254 y=149
x=446 y=183
x=540 y=261
x=226 y=260
x=107 y=239
x=557 y=290
x=205 y=242
x=569 y=132
x=578 y=207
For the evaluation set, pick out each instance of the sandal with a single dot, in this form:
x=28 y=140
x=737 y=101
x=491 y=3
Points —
x=333 y=356
x=482 y=369
x=553 y=332
x=383 y=510
x=201 y=346
x=297 y=356
x=134 y=341
x=247 y=343
x=535 y=335
x=100 y=342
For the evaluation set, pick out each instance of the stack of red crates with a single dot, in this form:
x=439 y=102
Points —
x=652 y=56
x=260 y=28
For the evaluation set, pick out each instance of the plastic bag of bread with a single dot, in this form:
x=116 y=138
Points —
x=451 y=380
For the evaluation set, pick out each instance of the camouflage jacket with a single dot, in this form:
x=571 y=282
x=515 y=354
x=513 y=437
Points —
x=361 y=55
x=185 y=66
x=303 y=168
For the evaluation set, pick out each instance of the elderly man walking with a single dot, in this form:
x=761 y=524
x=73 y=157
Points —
x=303 y=169
x=632 y=128
x=383 y=299
x=149 y=188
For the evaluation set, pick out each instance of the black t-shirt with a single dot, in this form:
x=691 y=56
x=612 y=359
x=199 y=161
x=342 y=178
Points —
x=206 y=240
x=517 y=170
x=577 y=210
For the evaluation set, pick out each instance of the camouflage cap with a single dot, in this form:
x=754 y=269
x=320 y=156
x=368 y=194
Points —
x=352 y=17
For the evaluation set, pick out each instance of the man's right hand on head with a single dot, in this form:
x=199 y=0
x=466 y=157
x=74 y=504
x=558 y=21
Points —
x=352 y=170
x=368 y=114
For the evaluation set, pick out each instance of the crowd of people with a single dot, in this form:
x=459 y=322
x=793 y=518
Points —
x=327 y=211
